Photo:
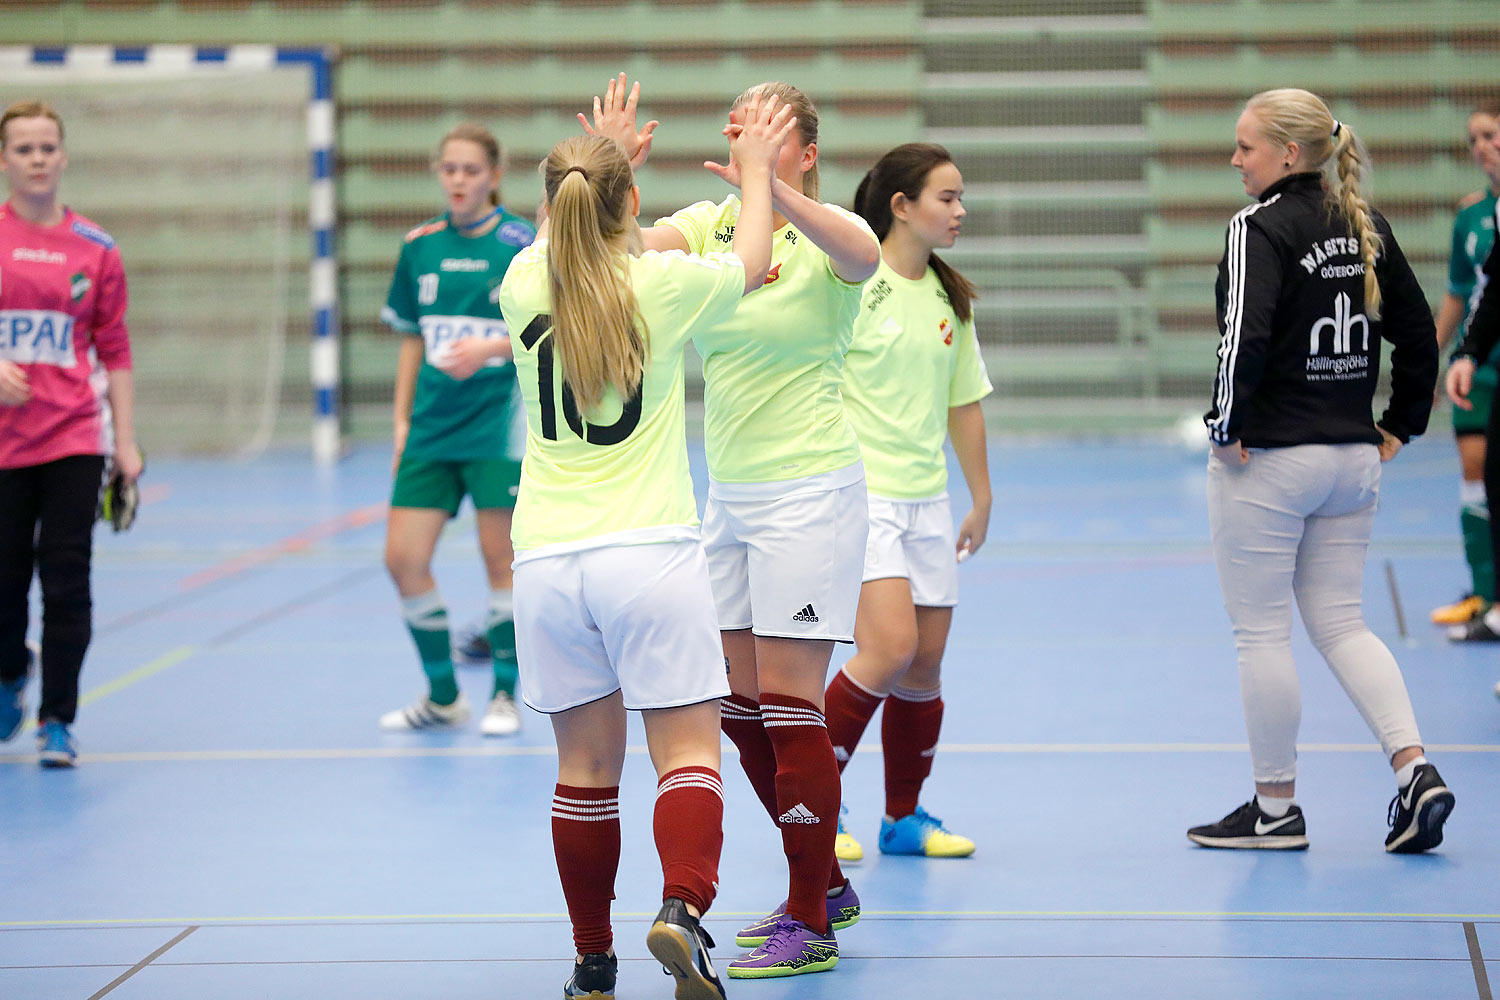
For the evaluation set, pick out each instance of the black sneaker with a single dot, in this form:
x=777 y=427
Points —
x=593 y=977
x=1417 y=813
x=1249 y=828
x=1474 y=630
x=681 y=946
x=472 y=645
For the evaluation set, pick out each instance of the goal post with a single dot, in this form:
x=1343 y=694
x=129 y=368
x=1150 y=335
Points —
x=213 y=169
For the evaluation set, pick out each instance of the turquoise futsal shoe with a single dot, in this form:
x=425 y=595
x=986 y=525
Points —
x=55 y=746
x=922 y=835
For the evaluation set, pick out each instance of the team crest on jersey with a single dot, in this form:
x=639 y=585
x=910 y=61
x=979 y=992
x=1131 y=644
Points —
x=945 y=329
x=79 y=285
x=94 y=234
x=773 y=274
x=427 y=228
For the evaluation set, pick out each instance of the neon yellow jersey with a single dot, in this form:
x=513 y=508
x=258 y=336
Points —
x=911 y=360
x=618 y=475
x=773 y=369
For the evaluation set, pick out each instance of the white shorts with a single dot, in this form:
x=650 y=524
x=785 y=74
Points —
x=631 y=618
x=788 y=567
x=914 y=539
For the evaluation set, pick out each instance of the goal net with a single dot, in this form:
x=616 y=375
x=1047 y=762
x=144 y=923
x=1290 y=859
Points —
x=200 y=173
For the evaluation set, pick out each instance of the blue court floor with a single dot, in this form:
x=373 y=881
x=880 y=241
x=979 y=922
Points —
x=239 y=827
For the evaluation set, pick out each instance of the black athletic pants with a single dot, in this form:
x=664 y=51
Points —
x=47 y=526
x=1492 y=474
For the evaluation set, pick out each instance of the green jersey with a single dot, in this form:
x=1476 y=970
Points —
x=1473 y=235
x=910 y=361
x=445 y=289
x=617 y=475
x=772 y=370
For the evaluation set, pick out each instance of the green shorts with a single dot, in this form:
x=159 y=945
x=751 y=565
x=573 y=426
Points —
x=1482 y=395
x=436 y=485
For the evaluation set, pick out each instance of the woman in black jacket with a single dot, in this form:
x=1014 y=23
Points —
x=1311 y=281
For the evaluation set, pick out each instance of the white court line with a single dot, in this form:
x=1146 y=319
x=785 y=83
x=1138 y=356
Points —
x=424 y=918
x=386 y=753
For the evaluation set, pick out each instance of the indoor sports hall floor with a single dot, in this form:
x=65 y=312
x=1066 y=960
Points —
x=239 y=827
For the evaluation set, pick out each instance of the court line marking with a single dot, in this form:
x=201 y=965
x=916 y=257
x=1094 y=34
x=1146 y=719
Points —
x=408 y=752
x=142 y=963
x=414 y=919
x=182 y=653
x=1476 y=958
x=198 y=583
x=551 y=959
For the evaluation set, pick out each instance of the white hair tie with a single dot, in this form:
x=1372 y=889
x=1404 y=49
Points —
x=1338 y=127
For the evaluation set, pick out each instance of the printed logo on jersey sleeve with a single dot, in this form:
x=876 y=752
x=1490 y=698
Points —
x=427 y=228
x=37 y=337
x=94 y=234
x=516 y=234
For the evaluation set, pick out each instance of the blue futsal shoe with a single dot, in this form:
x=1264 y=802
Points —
x=922 y=835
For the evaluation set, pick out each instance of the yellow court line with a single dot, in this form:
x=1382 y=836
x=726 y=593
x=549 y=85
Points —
x=961 y=914
x=140 y=673
x=408 y=752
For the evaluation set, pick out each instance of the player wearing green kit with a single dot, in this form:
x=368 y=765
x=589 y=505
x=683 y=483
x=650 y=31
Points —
x=784 y=526
x=912 y=378
x=1473 y=235
x=458 y=422
x=614 y=608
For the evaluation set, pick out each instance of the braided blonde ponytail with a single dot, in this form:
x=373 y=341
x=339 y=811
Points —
x=1291 y=115
x=1347 y=191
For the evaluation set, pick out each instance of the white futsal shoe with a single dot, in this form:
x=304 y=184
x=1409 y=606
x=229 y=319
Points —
x=502 y=718
x=424 y=713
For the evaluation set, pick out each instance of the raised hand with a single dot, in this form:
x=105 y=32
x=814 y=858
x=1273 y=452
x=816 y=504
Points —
x=756 y=133
x=614 y=118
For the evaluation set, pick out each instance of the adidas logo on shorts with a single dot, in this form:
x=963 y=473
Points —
x=799 y=813
x=807 y=614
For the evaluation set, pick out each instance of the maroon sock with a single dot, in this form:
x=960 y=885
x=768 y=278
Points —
x=586 y=840
x=848 y=706
x=689 y=826
x=807 y=797
x=740 y=719
x=909 y=733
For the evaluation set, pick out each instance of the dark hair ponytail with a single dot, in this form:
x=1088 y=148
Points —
x=904 y=170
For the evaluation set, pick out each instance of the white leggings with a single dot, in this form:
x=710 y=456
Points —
x=1296 y=522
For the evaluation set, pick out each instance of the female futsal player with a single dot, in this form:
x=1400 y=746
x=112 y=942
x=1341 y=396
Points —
x=1311 y=280
x=1473 y=234
x=786 y=518
x=912 y=377
x=613 y=609
x=458 y=421
x=63 y=295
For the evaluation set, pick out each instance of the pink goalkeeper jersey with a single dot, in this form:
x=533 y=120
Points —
x=62 y=291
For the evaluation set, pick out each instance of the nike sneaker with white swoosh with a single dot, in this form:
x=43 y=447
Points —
x=1418 y=812
x=1249 y=828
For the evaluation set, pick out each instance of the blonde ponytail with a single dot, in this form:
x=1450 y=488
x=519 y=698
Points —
x=596 y=333
x=1291 y=115
x=1346 y=188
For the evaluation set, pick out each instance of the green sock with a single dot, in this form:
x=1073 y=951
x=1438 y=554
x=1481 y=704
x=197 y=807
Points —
x=500 y=627
x=427 y=620
x=1474 y=519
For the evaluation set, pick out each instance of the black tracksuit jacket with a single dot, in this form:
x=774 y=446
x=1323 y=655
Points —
x=1483 y=332
x=1298 y=357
